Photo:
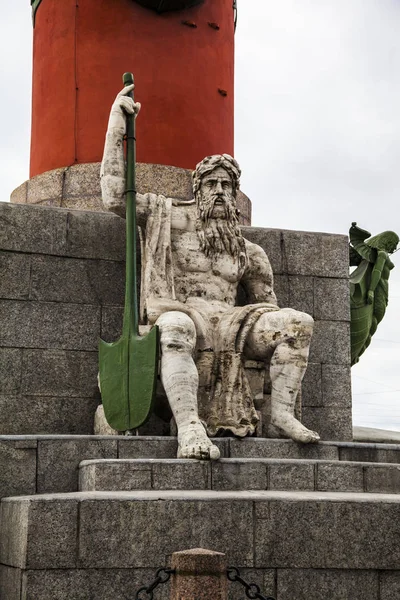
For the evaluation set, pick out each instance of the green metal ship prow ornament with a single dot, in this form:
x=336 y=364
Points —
x=128 y=368
x=159 y=6
x=369 y=284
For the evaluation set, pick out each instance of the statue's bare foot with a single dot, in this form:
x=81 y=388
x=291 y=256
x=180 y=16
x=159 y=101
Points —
x=193 y=442
x=292 y=428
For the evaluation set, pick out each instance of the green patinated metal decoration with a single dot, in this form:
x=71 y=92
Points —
x=128 y=367
x=35 y=6
x=167 y=5
x=158 y=5
x=369 y=284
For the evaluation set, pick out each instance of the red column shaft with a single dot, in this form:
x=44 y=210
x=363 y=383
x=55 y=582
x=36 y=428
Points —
x=81 y=50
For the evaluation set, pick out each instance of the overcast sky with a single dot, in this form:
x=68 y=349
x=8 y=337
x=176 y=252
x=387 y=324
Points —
x=317 y=136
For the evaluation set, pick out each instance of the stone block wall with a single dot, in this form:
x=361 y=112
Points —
x=78 y=187
x=62 y=287
x=311 y=275
x=292 y=547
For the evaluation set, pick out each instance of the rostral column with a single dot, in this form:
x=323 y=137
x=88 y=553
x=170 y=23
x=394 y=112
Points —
x=182 y=55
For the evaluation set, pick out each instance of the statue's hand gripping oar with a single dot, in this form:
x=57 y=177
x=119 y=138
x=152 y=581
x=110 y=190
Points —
x=128 y=367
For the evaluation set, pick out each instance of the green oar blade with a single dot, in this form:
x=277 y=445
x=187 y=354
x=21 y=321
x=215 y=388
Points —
x=143 y=371
x=128 y=376
x=114 y=383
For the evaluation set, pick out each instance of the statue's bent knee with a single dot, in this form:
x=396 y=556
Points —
x=306 y=320
x=177 y=332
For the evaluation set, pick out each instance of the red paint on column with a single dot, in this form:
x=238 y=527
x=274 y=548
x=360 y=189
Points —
x=81 y=50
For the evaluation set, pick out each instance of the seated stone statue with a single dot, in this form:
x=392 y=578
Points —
x=193 y=258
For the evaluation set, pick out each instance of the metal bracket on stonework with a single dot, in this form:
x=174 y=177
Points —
x=35 y=6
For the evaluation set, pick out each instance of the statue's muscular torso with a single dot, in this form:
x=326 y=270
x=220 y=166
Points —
x=214 y=279
x=211 y=279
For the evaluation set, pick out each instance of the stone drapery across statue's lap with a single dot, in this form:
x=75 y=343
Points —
x=193 y=259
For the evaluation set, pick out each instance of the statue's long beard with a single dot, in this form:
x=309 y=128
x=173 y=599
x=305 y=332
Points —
x=219 y=235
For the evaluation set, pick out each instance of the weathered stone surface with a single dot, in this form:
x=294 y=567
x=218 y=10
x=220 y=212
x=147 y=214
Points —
x=14 y=275
x=82 y=584
x=86 y=203
x=10 y=583
x=301 y=293
x=116 y=533
x=340 y=477
x=158 y=447
x=182 y=474
x=20 y=194
x=172 y=182
x=245 y=207
x=77 y=281
x=332 y=423
x=33 y=229
x=131 y=447
x=95 y=235
x=331 y=342
x=118 y=584
x=82 y=180
x=26 y=523
x=47 y=186
x=59 y=373
x=318 y=254
x=283 y=526
x=199 y=573
x=10 y=370
x=262 y=448
x=332 y=299
x=238 y=475
x=377 y=453
x=321 y=584
x=311 y=387
x=389 y=585
x=49 y=325
x=24 y=415
x=375 y=435
x=270 y=241
x=336 y=386
x=281 y=289
x=291 y=476
x=14 y=532
x=115 y=476
x=17 y=468
x=58 y=461
x=382 y=479
x=78 y=186
x=111 y=323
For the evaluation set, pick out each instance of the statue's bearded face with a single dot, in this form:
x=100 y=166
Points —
x=216 y=195
x=217 y=221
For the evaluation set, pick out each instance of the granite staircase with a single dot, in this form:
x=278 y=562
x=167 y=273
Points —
x=93 y=517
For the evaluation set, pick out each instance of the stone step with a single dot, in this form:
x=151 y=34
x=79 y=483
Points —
x=239 y=474
x=50 y=464
x=303 y=545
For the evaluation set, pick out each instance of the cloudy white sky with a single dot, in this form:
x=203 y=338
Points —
x=317 y=136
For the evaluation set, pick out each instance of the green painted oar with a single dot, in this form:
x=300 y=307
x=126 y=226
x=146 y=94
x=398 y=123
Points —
x=128 y=367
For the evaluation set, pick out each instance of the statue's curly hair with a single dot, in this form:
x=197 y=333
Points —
x=209 y=163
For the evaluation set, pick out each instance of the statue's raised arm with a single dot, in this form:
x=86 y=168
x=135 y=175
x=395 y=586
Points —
x=112 y=173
